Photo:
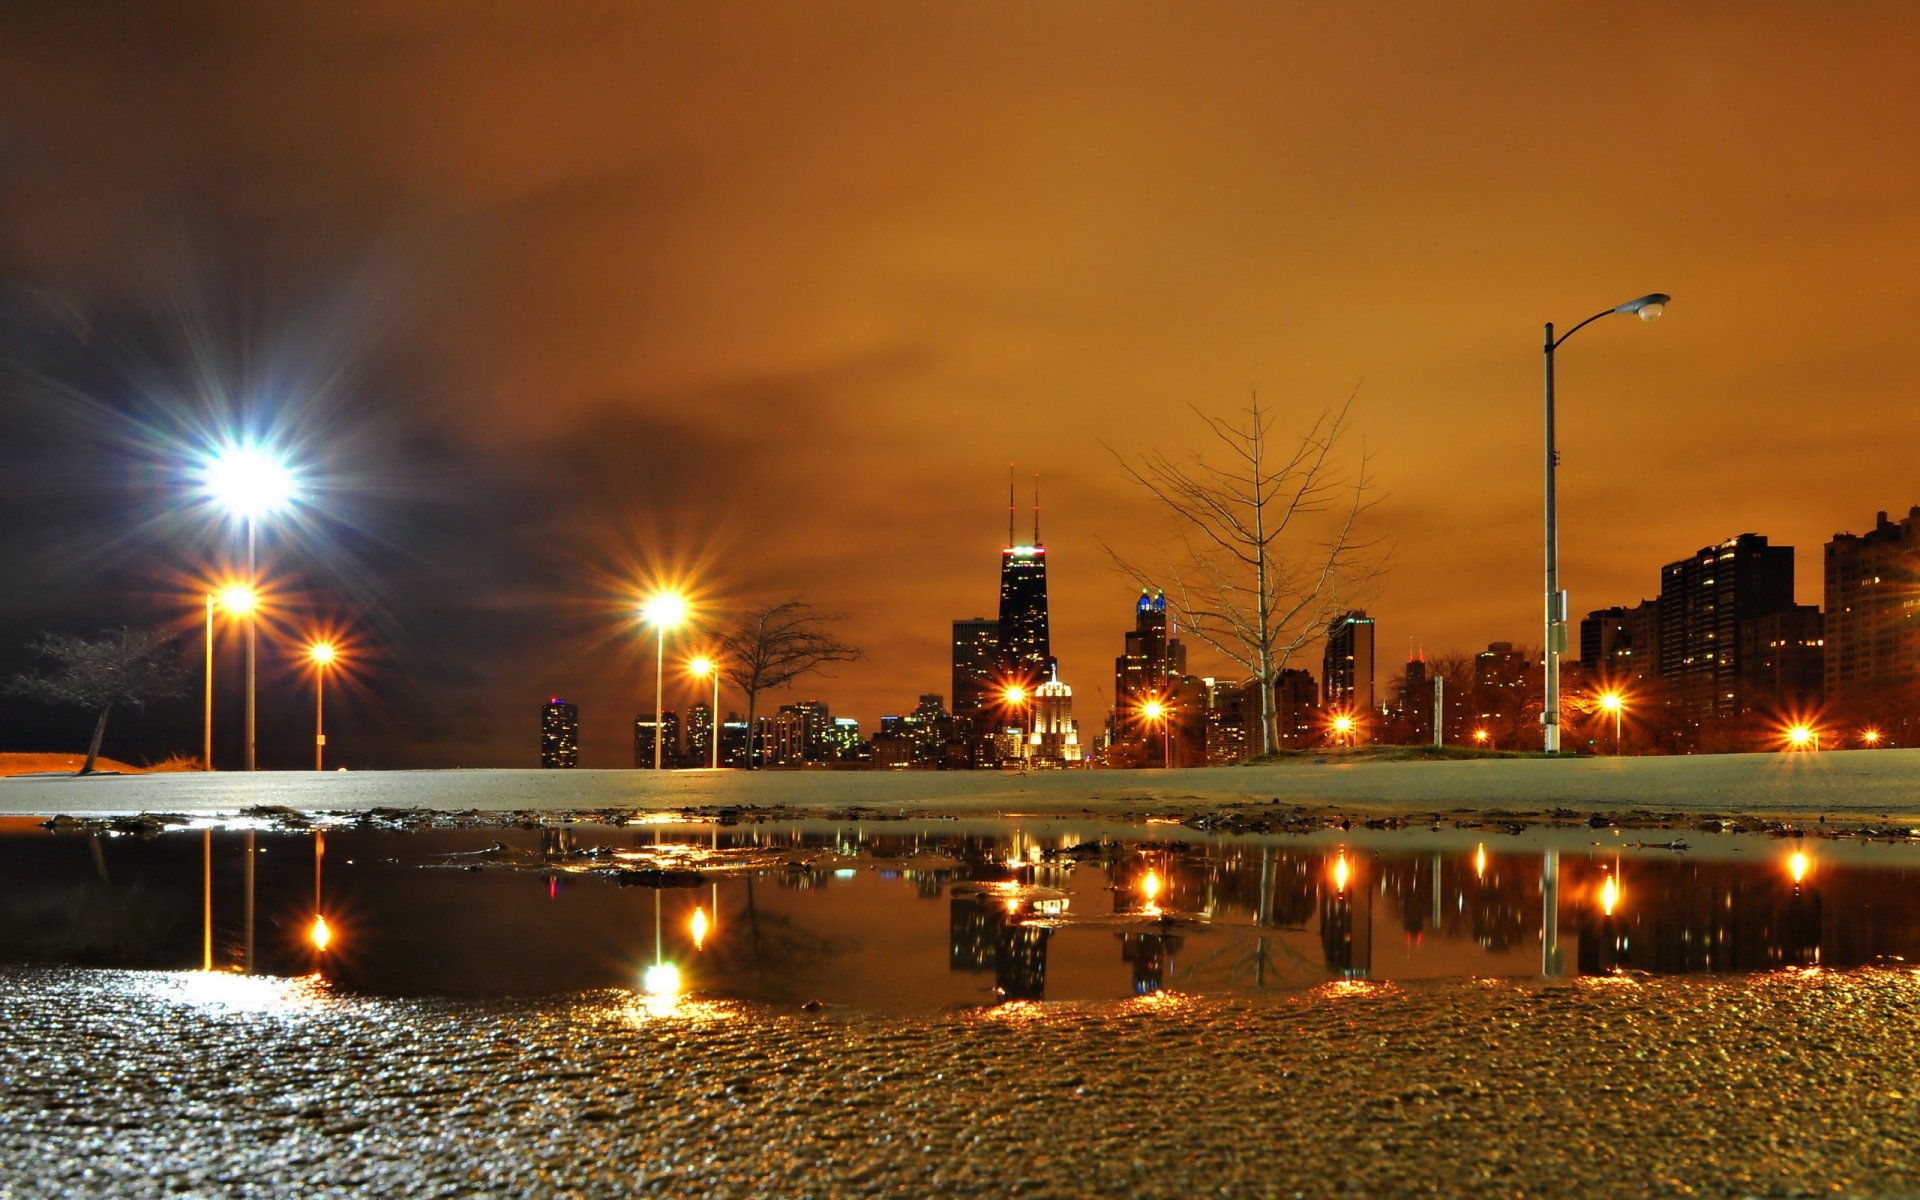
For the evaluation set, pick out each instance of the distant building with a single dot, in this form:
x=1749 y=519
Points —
x=1233 y=720
x=700 y=735
x=1703 y=600
x=1296 y=705
x=645 y=728
x=559 y=734
x=1873 y=617
x=1782 y=663
x=1153 y=659
x=1346 y=667
x=976 y=643
x=1053 y=737
x=1500 y=687
x=1024 y=644
x=1416 y=701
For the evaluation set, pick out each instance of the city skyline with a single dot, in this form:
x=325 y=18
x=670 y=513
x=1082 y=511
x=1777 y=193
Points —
x=541 y=341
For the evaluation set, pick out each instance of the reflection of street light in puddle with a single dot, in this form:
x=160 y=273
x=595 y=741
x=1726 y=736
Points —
x=321 y=935
x=1150 y=885
x=698 y=927
x=1797 y=867
x=1480 y=861
x=1341 y=872
x=1609 y=896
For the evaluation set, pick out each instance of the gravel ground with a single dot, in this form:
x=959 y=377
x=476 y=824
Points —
x=118 y=1083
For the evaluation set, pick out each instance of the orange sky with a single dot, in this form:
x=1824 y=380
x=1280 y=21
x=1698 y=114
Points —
x=781 y=288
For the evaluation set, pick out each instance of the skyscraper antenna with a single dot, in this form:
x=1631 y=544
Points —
x=1009 y=504
x=1036 y=508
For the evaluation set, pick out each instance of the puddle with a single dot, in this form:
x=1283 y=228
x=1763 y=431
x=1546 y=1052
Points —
x=913 y=915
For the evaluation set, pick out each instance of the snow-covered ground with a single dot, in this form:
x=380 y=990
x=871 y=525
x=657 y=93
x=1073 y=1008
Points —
x=1864 y=784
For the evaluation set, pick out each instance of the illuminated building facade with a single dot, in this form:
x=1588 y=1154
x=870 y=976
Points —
x=1873 y=616
x=976 y=652
x=1053 y=736
x=559 y=734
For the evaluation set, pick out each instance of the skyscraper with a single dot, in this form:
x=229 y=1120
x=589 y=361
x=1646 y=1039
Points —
x=559 y=734
x=1153 y=660
x=1025 y=649
x=1346 y=669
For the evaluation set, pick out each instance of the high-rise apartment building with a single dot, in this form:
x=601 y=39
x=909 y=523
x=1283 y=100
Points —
x=1296 y=709
x=559 y=734
x=1873 y=617
x=1346 y=667
x=1703 y=600
x=700 y=735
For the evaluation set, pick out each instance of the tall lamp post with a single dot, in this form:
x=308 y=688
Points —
x=702 y=668
x=1647 y=308
x=321 y=654
x=238 y=599
x=249 y=481
x=663 y=611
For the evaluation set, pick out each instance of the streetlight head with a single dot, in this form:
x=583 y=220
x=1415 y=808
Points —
x=700 y=667
x=1016 y=695
x=248 y=480
x=238 y=599
x=1153 y=710
x=1648 y=307
x=665 y=610
x=322 y=653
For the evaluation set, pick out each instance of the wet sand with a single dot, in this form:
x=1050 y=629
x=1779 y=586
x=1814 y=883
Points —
x=1872 y=785
x=1797 y=1083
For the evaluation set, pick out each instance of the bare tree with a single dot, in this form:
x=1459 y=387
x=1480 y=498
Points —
x=1269 y=541
x=121 y=666
x=771 y=647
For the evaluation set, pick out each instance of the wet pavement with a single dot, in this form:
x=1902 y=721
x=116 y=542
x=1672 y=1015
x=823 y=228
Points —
x=1050 y=1008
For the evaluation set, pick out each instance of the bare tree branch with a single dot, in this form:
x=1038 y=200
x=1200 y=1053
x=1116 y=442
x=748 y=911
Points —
x=1270 y=548
x=121 y=666
x=769 y=648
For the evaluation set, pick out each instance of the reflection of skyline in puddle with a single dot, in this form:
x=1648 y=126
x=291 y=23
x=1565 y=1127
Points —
x=852 y=915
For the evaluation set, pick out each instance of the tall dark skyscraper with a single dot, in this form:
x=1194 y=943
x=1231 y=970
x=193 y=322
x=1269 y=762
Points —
x=559 y=734
x=1025 y=649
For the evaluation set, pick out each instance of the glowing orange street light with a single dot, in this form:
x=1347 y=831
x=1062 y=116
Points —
x=1484 y=738
x=1613 y=702
x=321 y=934
x=322 y=655
x=1803 y=737
x=663 y=610
x=1871 y=737
x=1609 y=896
x=239 y=600
x=1152 y=710
x=698 y=927
x=701 y=668
x=1797 y=866
x=1343 y=726
x=1341 y=872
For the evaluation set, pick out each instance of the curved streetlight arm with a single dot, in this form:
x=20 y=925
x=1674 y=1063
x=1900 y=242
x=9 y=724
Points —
x=1553 y=343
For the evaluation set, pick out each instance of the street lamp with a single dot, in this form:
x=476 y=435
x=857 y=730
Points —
x=1343 y=728
x=1611 y=702
x=321 y=654
x=1647 y=308
x=663 y=611
x=1158 y=710
x=701 y=668
x=239 y=600
x=248 y=481
x=1015 y=697
x=1484 y=738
